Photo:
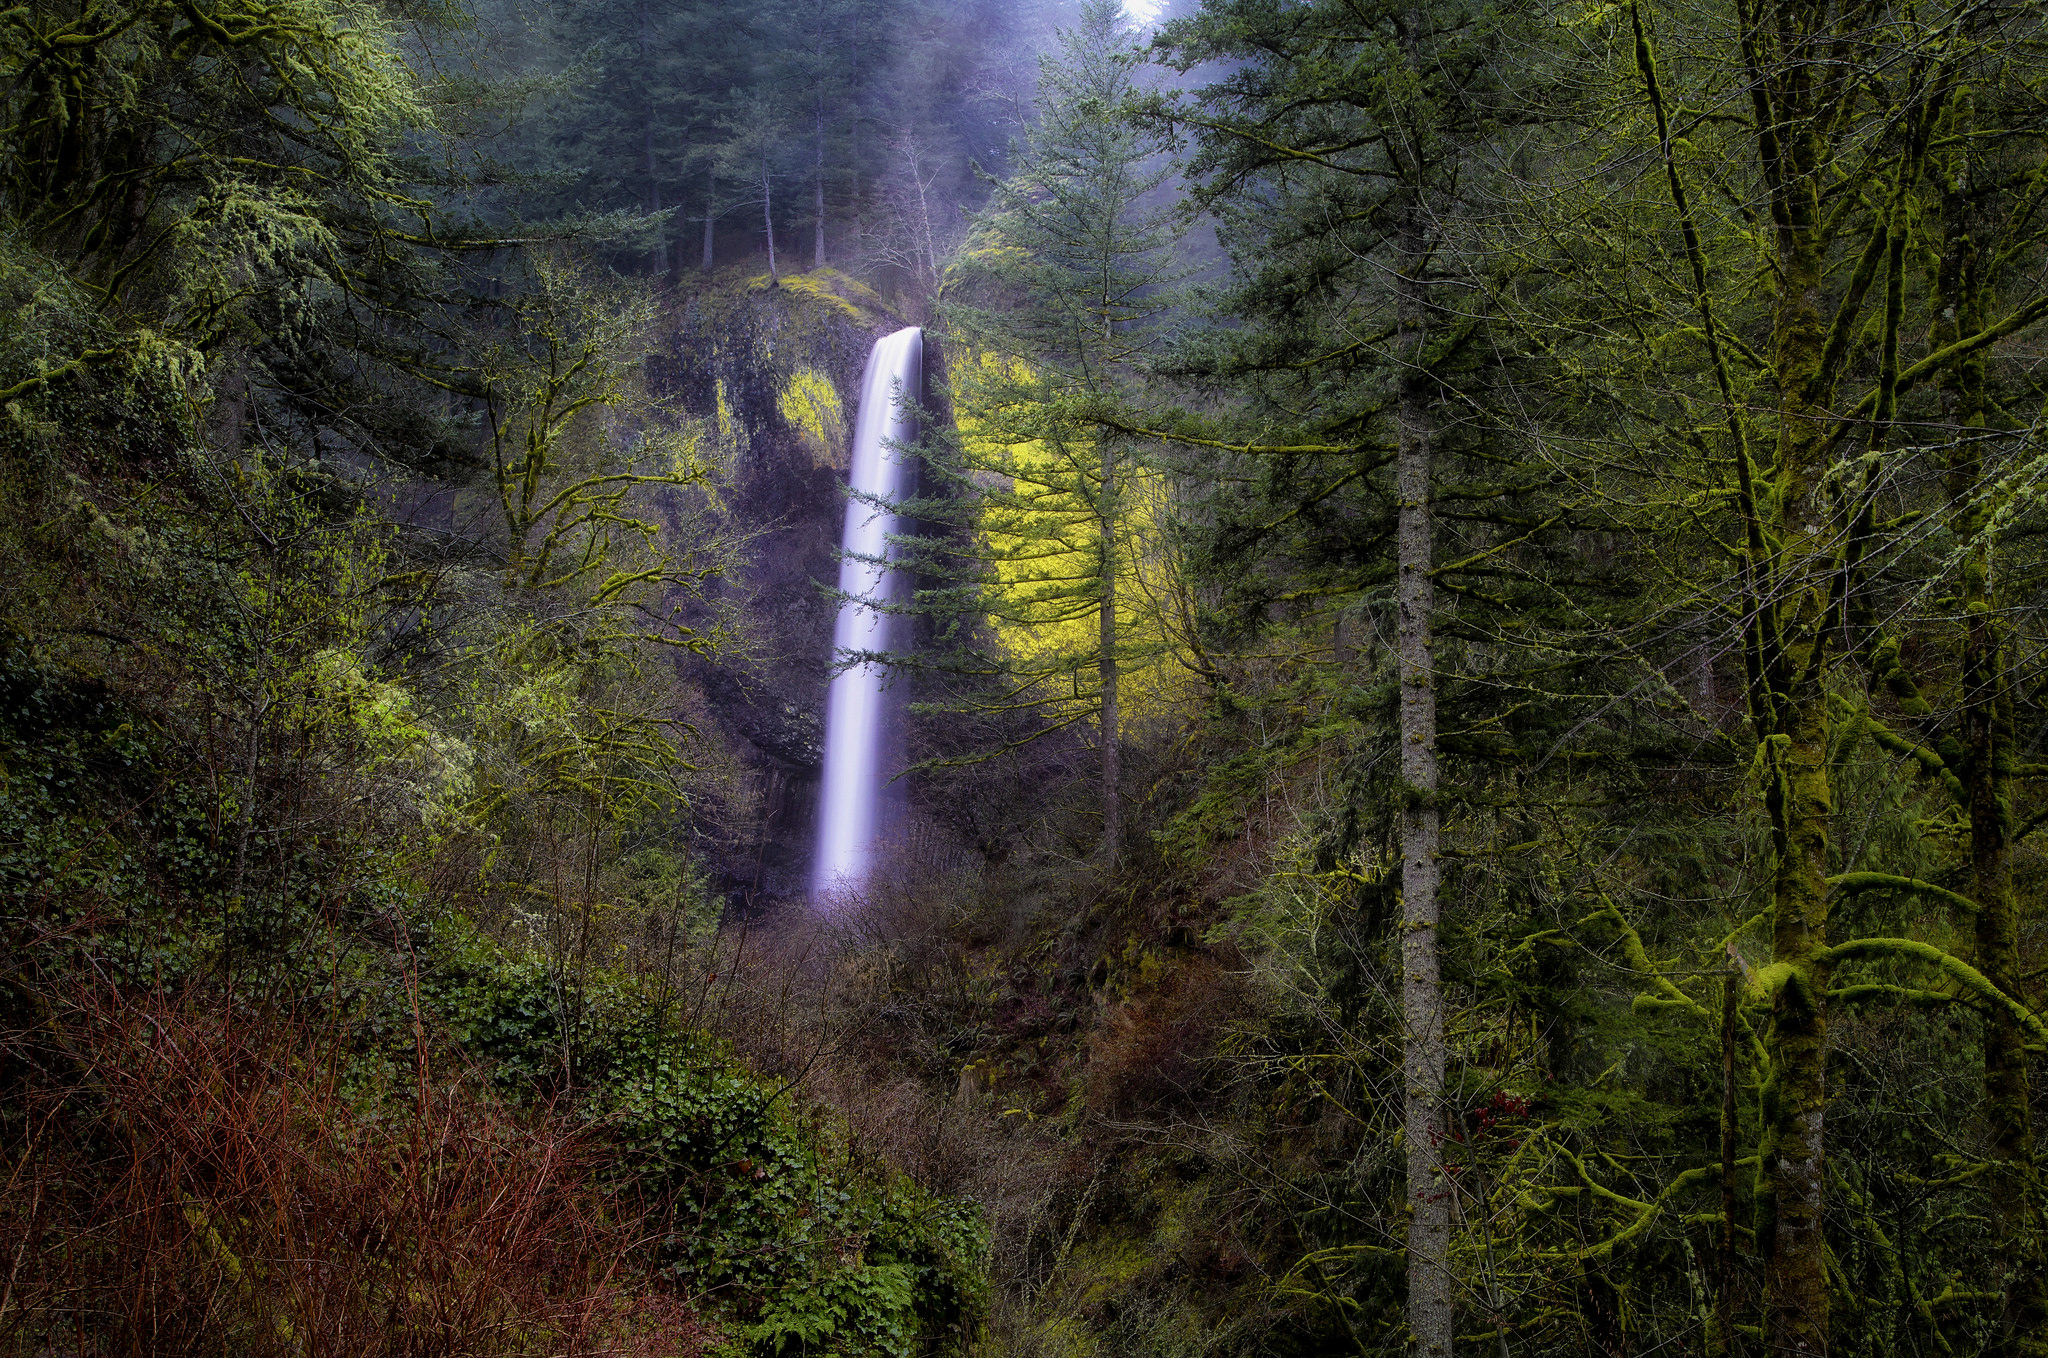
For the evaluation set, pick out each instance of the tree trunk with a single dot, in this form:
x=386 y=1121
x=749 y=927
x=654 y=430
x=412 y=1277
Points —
x=1795 y=1096
x=647 y=139
x=1797 y=575
x=1422 y=1007
x=654 y=203
x=2012 y=1188
x=768 y=220
x=1721 y=1343
x=710 y=201
x=231 y=407
x=818 y=184
x=1112 y=764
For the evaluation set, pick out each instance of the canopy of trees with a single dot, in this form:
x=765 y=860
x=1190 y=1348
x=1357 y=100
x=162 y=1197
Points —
x=1606 y=479
x=1481 y=678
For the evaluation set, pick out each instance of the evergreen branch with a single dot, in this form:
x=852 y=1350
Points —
x=1496 y=549
x=984 y=756
x=1284 y=151
x=1247 y=449
x=1363 y=469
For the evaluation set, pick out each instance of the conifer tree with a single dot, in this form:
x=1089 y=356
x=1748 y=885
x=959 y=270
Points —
x=818 y=69
x=1069 y=278
x=753 y=159
x=638 y=126
x=1338 y=153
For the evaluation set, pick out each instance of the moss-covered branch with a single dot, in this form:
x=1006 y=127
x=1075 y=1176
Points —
x=1854 y=882
x=1972 y=980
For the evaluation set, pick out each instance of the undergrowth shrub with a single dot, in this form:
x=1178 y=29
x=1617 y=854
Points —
x=189 y=1180
x=772 y=1215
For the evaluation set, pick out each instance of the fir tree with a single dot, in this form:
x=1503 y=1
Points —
x=1069 y=279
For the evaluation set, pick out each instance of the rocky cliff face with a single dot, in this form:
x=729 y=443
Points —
x=776 y=370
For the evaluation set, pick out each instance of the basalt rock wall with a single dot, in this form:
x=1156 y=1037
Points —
x=773 y=370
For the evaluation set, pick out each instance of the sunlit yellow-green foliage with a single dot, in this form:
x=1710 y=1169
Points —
x=828 y=287
x=1041 y=534
x=811 y=403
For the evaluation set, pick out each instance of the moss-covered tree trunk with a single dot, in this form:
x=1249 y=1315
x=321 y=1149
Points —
x=1106 y=662
x=1797 y=572
x=2011 y=1186
x=1795 y=1094
x=1721 y=1334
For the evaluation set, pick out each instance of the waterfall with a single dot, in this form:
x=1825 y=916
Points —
x=863 y=731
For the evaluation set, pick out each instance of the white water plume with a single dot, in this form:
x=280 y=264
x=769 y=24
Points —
x=863 y=724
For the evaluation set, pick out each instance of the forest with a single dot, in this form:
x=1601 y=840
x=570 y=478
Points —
x=1466 y=641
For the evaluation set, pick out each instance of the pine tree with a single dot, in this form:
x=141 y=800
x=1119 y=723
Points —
x=753 y=159
x=650 y=88
x=815 y=66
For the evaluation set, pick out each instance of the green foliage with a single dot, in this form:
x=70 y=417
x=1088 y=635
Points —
x=706 y=122
x=394 y=813
x=1718 y=373
x=1049 y=589
x=771 y=1218
x=785 y=1226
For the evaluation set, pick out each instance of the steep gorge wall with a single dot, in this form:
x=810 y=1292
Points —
x=776 y=370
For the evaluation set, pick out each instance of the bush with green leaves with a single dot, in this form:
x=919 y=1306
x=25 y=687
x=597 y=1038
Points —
x=774 y=1220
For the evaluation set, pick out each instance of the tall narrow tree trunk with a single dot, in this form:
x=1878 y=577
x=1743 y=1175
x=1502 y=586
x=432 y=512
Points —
x=768 y=221
x=1112 y=763
x=1797 y=573
x=2012 y=1186
x=647 y=140
x=654 y=202
x=1422 y=1006
x=1721 y=1343
x=710 y=216
x=231 y=407
x=1795 y=1096
x=818 y=184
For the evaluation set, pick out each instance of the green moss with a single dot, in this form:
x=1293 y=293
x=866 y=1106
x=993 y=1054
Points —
x=830 y=288
x=1067 y=1337
x=1108 y=1266
x=811 y=403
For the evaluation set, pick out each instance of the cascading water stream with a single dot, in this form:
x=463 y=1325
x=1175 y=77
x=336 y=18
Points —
x=863 y=734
